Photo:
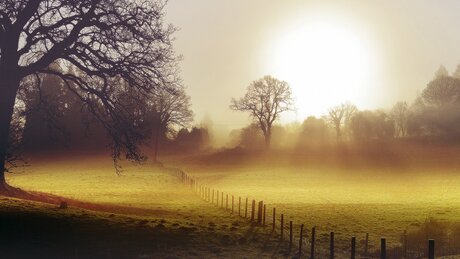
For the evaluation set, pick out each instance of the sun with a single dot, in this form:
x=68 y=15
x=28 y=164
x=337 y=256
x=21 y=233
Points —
x=325 y=62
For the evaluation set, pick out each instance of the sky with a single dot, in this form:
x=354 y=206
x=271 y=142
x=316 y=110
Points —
x=370 y=53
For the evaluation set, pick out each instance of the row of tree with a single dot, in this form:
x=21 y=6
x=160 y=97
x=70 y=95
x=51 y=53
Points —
x=55 y=118
x=435 y=112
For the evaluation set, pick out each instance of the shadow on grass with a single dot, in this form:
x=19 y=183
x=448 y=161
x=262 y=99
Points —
x=25 y=234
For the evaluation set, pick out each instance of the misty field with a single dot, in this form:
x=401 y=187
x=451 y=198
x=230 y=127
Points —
x=350 y=202
x=144 y=212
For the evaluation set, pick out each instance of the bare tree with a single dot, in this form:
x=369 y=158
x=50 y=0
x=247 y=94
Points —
x=108 y=41
x=265 y=100
x=400 y=113
x=340 y=115
x=169 y=110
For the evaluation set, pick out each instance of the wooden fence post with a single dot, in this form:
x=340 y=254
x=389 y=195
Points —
x=353 y=247
x=405 y=244
x=217 y=198
x=282 y=227
x=274 y=218
x=259 y=213
x=300 y=240
x=290 y=234
x=366 y=244
x=253 y=208
x=431 y=249
x=331 y=246
x=212 y=198
x=226 y=201
x=383 y=248
x=221 y=199
x=246 y=209
x=312 y=251
x=263 y=221
x=233 y=203
x=239 y=206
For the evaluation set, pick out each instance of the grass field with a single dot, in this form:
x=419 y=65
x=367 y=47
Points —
x=383 y=201
x=167 y=220
x=350 y=202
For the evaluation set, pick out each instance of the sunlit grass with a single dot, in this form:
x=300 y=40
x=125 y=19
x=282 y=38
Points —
x=380 y=202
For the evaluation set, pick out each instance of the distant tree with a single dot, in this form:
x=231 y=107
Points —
x=313 y=131
x=265 y=100
x=44 y=109
x=438 y=108
x=400 y=113
x=456 y=74
x=441 y=72
x=195 y=139
x=251 y=137
x=108 y=41
x=169 y=109
x=441 y=91
x=340 y=115
x=368 y=125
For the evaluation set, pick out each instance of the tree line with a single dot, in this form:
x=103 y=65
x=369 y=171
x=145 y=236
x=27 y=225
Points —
x=434 y=113
x=55 y=119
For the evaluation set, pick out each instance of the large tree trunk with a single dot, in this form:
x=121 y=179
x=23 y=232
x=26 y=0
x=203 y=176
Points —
x=9 y=85
x=8 y=89
x=155 y=147
x=268 y=139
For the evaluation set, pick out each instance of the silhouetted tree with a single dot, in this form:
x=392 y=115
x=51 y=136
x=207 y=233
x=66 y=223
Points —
x=400 y=113
x=169 y=109
x=192 y=140
x=340 y=115
x=265 y=100
x=108 y=41
x=45 y=107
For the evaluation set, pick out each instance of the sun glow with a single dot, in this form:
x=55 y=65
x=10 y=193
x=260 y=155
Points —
x=326 y=63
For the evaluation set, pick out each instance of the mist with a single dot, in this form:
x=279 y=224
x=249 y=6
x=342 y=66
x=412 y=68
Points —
x=229 y=129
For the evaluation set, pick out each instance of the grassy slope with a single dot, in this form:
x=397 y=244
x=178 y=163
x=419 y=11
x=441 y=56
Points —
x=345 y=197
x=172 y=221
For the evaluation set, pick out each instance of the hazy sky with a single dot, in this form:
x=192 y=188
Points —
x=371 y=53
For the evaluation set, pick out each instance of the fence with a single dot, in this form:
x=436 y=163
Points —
x=304 y=242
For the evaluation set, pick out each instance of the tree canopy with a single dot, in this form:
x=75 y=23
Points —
x=109 y=43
